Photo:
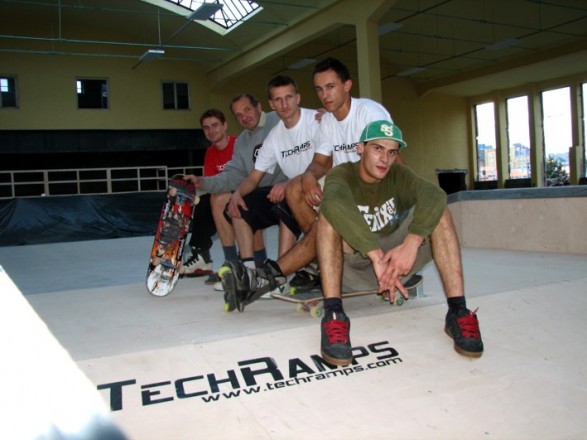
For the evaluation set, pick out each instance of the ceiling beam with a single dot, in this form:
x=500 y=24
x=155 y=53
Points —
x=503 y=66
x=308 y=28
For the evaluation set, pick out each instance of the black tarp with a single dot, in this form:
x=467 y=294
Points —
x=38 y=220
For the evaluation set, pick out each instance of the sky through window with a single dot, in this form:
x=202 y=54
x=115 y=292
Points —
x=233 y=12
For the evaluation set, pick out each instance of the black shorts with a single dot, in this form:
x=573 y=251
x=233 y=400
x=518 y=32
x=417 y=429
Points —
x=263 y=213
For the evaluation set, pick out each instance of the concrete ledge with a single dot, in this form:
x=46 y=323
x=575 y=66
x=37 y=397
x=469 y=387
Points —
x=520 y=193
x=528 y=219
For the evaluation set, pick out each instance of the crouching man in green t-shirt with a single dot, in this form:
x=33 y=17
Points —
x=379 y=224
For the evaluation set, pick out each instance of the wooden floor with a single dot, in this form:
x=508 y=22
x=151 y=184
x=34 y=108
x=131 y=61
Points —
x=178 y=367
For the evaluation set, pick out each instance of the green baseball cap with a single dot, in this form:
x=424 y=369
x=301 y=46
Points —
x=382 y=130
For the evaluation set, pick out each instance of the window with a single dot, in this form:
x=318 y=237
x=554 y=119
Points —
x=518 y=130
x=232 y=14
x=175 y=96
x=92 y=93
x=485 y=142
x=8 y=92
x=557 y=126
x=584 y=119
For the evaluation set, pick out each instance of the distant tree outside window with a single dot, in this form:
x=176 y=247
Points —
x=557 y=125
x=555 y=172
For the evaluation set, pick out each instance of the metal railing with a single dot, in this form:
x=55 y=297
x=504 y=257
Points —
x=35 y=183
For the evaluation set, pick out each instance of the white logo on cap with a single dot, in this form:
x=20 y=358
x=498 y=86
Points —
x=387 y=130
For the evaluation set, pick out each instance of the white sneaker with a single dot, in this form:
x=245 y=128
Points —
x=196 y=266
x=218 y=287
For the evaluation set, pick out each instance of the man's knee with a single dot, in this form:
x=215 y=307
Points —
x=324 y=226
x=218 y=203
x=445 y=226
x=294 y=191
x=219 y=200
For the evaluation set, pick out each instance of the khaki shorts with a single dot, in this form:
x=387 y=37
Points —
x=358 y=273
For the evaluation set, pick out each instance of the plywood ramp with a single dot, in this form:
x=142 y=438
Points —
x=178 y=367
x=406 y=382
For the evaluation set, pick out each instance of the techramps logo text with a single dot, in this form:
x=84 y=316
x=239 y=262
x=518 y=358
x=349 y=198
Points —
x=251 y=376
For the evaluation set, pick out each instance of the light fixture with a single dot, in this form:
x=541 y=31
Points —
x=301 y=63
x=410 y=71
x=205 y=11
x=503 y=44
x=152 y=54
x=389 y=27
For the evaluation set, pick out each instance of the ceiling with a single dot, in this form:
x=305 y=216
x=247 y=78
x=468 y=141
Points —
x=463 y=47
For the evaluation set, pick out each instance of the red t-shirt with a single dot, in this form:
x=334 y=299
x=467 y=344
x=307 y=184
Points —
x=215 y=159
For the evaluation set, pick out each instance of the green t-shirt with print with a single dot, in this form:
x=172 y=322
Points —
x=361 y=212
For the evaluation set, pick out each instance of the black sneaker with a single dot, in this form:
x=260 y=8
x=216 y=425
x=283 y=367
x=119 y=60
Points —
x=268 y=278
x=463 y=328
x=212 y=279
x=305 y=280
x=336 y=345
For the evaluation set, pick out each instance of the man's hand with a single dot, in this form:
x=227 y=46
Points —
x=196 y=180
x=312 y=191
x=277 y=193
x=236 y=202
x=318 y=167
x=390 y=267
x=319 y=113
x=381 y=266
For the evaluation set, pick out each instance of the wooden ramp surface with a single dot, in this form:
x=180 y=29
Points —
x=407 y=381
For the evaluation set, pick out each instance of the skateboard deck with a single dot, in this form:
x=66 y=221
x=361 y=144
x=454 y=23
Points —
x=312 y=301
x=165 y=263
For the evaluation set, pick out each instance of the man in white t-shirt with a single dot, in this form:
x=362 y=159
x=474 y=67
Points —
x=289 y=145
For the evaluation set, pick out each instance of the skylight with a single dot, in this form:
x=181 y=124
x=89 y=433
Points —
x=232 y=14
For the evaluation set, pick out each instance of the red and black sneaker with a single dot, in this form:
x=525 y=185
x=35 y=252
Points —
x=335 y=344
x=463 y=328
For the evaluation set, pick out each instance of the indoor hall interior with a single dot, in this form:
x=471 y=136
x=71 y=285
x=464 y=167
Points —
x=99 y=105
x=179 y=367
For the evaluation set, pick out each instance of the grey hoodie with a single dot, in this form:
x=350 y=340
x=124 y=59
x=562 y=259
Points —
x=246 y=149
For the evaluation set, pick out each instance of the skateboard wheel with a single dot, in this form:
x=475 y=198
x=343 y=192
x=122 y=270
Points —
x=300 y=308
x=399 y=301
x=316 y=311
x=227 y=308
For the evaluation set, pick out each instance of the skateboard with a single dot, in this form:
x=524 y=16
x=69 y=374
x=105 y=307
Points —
x=165 y=264
x=311 y=301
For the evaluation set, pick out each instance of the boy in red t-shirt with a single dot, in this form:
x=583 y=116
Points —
x=209 y=212
x=204 y=224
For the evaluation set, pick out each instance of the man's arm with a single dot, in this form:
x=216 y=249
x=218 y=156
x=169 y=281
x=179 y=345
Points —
x=247 y=186
x=319 y=166
x=228 y=180
x=340 y=209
